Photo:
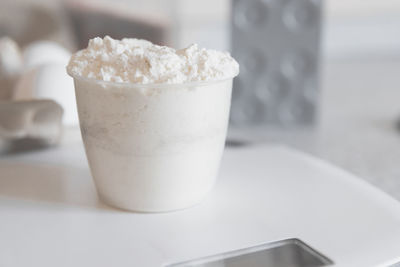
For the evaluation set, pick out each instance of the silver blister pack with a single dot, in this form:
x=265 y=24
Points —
x=276 y=43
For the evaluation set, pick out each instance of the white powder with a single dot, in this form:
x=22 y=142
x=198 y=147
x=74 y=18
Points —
x=139 y=61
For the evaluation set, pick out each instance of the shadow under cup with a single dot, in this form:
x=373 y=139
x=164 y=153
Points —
x=153 y=148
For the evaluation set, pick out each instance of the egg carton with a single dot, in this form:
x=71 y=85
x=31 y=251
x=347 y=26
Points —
x=38 y=119
x=276 y=43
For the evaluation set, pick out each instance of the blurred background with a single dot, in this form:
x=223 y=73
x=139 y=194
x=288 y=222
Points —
x=320 y=76
x=352 y=28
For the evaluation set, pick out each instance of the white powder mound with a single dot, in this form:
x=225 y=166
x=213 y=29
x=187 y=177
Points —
x=141 y=62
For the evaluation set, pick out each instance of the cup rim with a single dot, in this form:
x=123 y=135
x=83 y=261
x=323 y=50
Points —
x=148 y=85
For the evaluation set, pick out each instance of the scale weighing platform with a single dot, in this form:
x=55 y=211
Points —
x=272 y=206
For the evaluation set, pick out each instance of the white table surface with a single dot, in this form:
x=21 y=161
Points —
x=50 y=215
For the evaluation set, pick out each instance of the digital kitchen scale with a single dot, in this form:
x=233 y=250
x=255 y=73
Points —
x=272 y=206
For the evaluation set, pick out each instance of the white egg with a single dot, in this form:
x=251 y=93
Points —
x=10 y=67
x=10 y=57
x=50 y=81
x=44 y=52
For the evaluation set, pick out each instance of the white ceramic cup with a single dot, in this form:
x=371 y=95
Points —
x=153 y=148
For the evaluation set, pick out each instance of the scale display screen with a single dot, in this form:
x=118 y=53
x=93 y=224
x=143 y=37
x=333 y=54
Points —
x=285 y=253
